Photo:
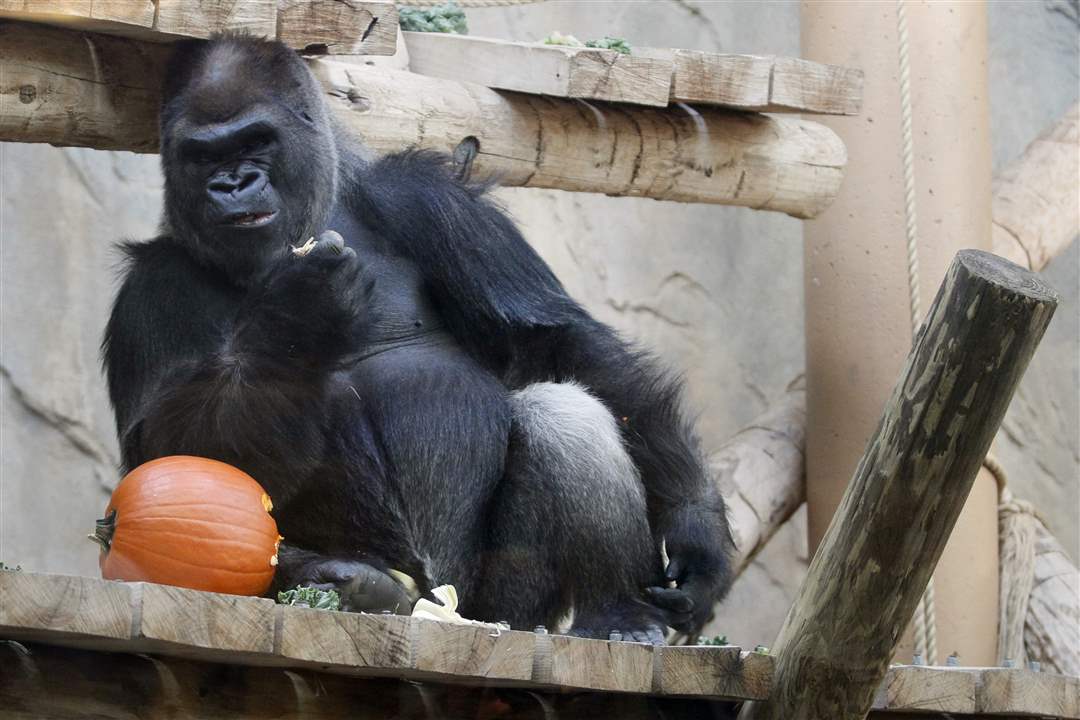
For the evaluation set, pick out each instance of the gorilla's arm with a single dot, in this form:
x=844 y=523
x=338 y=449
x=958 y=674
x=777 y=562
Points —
x=197 y=366
x=504 y=303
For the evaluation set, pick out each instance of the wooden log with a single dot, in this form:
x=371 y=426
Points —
x=556 y=70
x=89 y=90
x=927 y=689
x=1052 y=626
x=881 y=547
x=760 y=471
x=765 y=83
x=1036 y=208
x=756 y=161
x=367 y=27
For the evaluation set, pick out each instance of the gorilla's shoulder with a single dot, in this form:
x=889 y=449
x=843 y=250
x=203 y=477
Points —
x=153 y=258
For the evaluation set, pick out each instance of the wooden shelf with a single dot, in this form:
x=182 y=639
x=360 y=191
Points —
x=648 y=76
x=88 y=614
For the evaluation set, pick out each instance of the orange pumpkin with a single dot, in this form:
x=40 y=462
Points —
x=191 y=522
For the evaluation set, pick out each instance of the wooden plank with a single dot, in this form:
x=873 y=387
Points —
x=358 y=27
x=350 y=642
x=200 y=18
x=714 y=672
x=339 y=28
x=1020 y=692
x=472 y=651
x=918 y=688
x=599 y=665
x=56 y=91
x=556 y=70
x=896 y=515
x=57 y=607
x=765 y=83
x=196 y=621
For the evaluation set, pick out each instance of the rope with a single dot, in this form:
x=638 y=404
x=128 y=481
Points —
x=925 y=620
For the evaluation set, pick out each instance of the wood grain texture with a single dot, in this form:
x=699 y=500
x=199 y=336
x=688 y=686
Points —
x=195 y=621
x=714 y=672
x=471 y=651
x=899 y=508
x=927 y=689
x=347 y=641
x=367 y=27
x=58 y=606
x=1036 y=207
x=57 y=90
x=339 y=28
x=601 y=665
x=764 y=83
x=556 y=70
x=200 y=18
x=1028 y=693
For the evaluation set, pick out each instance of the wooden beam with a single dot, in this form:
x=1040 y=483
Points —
x=899 y=508
x=1036 y=207
x=760 y=471
x=87 y=90
x=358 y=27
x=93 y=614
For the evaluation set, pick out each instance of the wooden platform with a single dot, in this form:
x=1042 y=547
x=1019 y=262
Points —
x=259 y=639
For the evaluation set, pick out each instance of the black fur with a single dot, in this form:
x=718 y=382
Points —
x=370 y=390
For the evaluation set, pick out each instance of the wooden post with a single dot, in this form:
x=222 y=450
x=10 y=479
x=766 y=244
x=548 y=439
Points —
x=900 y=506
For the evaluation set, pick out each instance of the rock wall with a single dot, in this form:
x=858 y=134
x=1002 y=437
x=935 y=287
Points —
x=716 y=291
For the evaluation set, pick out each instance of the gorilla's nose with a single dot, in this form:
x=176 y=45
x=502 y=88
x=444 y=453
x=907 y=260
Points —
x=236 y=187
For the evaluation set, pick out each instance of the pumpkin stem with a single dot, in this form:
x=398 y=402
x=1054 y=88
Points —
x=103 y=531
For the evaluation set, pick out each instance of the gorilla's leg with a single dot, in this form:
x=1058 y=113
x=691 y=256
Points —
x=569 y=525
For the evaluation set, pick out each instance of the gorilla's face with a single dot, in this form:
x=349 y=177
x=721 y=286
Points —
x=248 y=153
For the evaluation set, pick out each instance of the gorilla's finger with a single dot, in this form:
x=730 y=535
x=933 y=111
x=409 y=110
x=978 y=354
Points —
x=674 y=569
x=332 y=241
x=673 y=599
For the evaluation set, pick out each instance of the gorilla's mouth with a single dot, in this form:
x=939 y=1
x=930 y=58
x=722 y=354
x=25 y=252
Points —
x=256 y=219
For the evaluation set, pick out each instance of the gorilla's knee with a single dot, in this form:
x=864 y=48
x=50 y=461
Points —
x=574 y=435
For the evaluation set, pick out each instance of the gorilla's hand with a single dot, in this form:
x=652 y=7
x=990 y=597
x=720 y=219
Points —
x=696 y=564
x=362 y=587
x=312 y=304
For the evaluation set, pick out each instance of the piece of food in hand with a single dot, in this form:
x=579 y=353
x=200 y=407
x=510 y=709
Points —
x=191 y=522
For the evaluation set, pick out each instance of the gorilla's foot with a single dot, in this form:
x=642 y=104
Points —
x=633 y=620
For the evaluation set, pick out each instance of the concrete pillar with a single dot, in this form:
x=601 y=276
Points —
x=858 y=327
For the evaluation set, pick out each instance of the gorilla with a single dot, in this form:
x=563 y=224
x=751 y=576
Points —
x=417 y=392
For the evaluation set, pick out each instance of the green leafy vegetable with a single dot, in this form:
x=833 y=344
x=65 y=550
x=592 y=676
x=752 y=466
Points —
x=447 y=18
x=609 y=43
x=310 y=597
x=716 y=640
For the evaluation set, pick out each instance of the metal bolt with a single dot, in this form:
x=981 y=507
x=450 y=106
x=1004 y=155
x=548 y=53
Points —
x=540 y=630
x=1035 y=666
x=953 y=660
x=917 y=660
x=27 y=94
x=386 y=612
x=615 y=636
x=1009 y=663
